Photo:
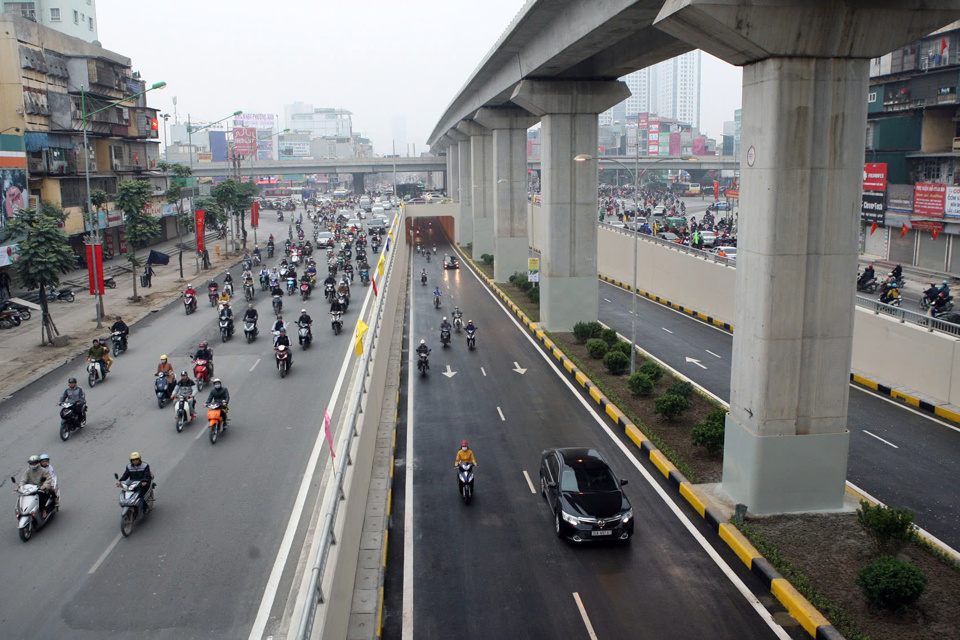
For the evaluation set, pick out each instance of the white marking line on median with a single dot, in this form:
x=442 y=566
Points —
x=870 y=392
x=711 y=353
x=483 y=372
x=667 y=330
x=103 y=556
x=526 y=475
x=501 y=414
x=880 y=439
x=255 y=364
x=751 y=599
x=286 y=543
x=586 y=618
x=407 y=614
x=606 y=300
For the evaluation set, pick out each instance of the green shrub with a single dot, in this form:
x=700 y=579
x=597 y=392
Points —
x=652 y=369
x=889 y=583
x=534 y=294
x=616 y=362
x=680 y=388
x=670 y=407
x=640 y=384
x=596 y=329
x=622 y=347
x=597 y=348
x=487 y=258
x=582 y=332
x=610 y=336
x=709 y=433
x=890 y=529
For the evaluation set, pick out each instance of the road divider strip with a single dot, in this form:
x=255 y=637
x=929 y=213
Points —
x=799 y=607
x=947 y=412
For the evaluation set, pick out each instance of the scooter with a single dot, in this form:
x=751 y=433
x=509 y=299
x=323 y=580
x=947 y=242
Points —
x=213 y=294
x=134 y=507
x=457 y=323
x=328 y=291
x=228 y=289
x=216 y=420
x=436 y=302
x=248 y=291
x=264 y=283
x=118 y=343
x=465 y=480
x=71 y=419
x=305 y=290
x=160 y=389
x=471 y=339
x=202 y=373
x=10 y=318
x=336 y=322
x=277 y=304
x=283 y=361
x=269 y=250
x=869 y=286
x=423 y=364
x=181 y=411
x=250 y=331
x=306 y=336
x=189 y=303
x=62 y=295
x=291 y=286
x=96 y=371
x=109 y=282
x=365 y=277
x=445 y=337
x=29 y=510
x=226 y=330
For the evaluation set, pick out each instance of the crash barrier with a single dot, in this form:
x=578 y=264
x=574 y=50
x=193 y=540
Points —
x=907 y=316
x=350 y=481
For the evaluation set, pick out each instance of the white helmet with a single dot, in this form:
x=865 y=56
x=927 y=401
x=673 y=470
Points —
x=423 y=342
x=444 y=318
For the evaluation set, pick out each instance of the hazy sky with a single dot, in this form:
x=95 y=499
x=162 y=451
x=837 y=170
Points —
x=379 y=59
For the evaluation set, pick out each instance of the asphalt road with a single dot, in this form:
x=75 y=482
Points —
x=898 y=455
x=198 y=564
x=494 y=568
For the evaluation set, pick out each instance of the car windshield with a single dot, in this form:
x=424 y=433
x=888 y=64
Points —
x=585 y=480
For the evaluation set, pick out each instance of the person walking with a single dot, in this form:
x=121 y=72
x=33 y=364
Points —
x=148 y=275
x=5 y=282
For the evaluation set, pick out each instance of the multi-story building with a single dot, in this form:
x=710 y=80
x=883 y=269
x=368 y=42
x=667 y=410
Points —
x=670 y=89
x=77 y=18
x=50 y=81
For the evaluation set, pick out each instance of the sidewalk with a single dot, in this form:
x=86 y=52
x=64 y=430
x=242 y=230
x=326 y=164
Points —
x=918 y=279
x=22 y=360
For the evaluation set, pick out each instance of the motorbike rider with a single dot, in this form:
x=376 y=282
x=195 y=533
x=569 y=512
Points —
x=37 y=475
x=465 y=455
x=891 y=294
x=423 y=275
x=220 y=395
x=138 y=470
x=204 y=352
x=166 y=368
x=284 y=341
x=445 y=326
x=124 y=330
x=457 y=314
x=939 y=305
x=98 y=351
x=423 y=349
x=226 y=313
x=251 y=315
x=184 y=388
x=305 y=319
x=867 y=275
x=470 y=326
x=75 y=396
x=897 y=273
x=256 y=251
x=437 y=293
x=45 y=463
x=336 y=306
x=934 y=291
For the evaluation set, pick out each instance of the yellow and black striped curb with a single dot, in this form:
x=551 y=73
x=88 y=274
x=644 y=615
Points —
x=895 y=394
x=799 y=607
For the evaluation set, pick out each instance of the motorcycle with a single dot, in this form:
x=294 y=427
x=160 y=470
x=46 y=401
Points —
x=277 y=304
x=22 y=310
x=305 y=290
x=436 y=302
x=189 y=303
x=283 y=361
x=62 y=295
x=256 y=260
x=375 y=246
x=336 y=322
x=465 y=480
x=119 y=344
x=96 y=371
x=109 y=282
x=291 y=286
x=428 y=257
x=457 y=323
x=306 y=336
x=160 y=388
x=269 y=250
x=216 y=420
x=248 y=291
x=202 y=373
x=247 y=265
x=72 y=418
x=264 y=283
x=423 y=364
x=10 y=318
x=226 y=329
x=328 y=290
x=279 y=216
x=365 y=277
x=213 y=294
x=869 y=286
x=423 y=279
x=250 y=330
x=181 y=411
x=445 y=337
x=471 y=338
x=134 y=507
x=29 y=510
x=228 y=289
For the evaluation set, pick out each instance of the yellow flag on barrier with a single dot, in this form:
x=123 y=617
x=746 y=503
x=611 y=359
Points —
x=380 y=264
x=361 y=329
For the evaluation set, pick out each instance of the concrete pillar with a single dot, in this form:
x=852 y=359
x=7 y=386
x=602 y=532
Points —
x=453 y=171
x=568 y=265
x=481 y=184
x=465 y=197
x=804 y=117
x=509 y=128
x=358 y=187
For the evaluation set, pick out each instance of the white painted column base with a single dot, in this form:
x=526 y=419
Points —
x=567 y=300
x=482 y=236
x=511 y=257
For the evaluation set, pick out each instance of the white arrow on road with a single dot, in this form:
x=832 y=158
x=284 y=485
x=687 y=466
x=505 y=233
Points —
x=448 y=372
x=516 y=367
x=696 y=362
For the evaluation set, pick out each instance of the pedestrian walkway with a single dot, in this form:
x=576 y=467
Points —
x=23 y=360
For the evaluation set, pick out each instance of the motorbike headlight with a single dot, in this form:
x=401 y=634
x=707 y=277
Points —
x=574 y=520
x=627 y=516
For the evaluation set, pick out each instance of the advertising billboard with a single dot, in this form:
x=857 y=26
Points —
x=875 y=176
x=13 y=188
x=254 y=120
x=900 y=198
x=244 y=140
x=871 y=208
x=951 y=207
x=929 y=199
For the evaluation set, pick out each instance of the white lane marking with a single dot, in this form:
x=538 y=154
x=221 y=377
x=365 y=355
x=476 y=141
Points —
x=872 y=393
x=449 y=372
x=679 y=313
x=529 y=481
x=255 y=364
x=606 y=300
x=286 y=543
x=711 y=353
x=483 y=372
x=680 y=515
x=201 y=432
x=518 y=368
x=667 y=330
x=407 y=618
x=880 y=439
x=501 y=414
x=103 y=556
x=695 y=361
x=586 y=618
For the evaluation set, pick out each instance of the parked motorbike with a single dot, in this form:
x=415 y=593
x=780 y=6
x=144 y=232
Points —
x=216 y=420
x=336 y=322
x=201 y=373
x=305 y=335
x=29 y=510
x=21 y=309
x=61 y=295
x=119 y=344
x=250 y=330
x=134 y=508
x=423 y=364
x=465 y=480
x=445 y=338
x=109 y=282
x=10 y=318
x=181 y=411
x=189 y=303
x=96 y=371
x=160 y=389
x=283 y=360
x=226 y=329
x=72 y=418
x=471 y=339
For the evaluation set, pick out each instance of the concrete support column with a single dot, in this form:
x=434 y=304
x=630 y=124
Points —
x=464 y=195
x=568 y=266
x=358 y=187
x=509 y=128
x=804 y=114
x=453 y=171
x=481 y=184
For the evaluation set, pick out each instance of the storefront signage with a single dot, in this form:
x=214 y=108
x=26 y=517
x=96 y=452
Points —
x=952 y=207
x=926 y=225
x=871 y=208
x=900 y=198
x=875 y=176
x=929 y=199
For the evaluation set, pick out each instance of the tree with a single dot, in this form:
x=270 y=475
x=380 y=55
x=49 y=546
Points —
x=132 y=198
x=99 y=198
x=178 y=174
x=236 y=198
x=44 y=253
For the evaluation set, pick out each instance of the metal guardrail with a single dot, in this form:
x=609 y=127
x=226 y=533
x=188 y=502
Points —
x=905 y=316
x=327 y=537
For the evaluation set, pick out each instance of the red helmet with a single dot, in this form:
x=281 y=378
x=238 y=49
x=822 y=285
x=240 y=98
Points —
x=464 y=444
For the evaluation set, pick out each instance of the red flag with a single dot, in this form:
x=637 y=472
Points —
x=200 y=228
x=935 y=233
x=95 y=268
x=943 y=45
x=255 y=214
x=326 y=428
x=373 y=281
x=903 y=230
x=873 y=228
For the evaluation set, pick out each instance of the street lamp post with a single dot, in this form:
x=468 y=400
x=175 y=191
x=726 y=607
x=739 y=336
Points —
x=94 y=238
x=636 y=237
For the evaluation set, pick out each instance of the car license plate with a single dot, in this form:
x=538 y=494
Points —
x=605 y=532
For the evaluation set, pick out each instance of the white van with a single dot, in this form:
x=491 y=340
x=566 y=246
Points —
x=365 y=203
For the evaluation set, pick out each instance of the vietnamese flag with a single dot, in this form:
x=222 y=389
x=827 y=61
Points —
x=903 y=230
x=873 y=228
x=935 y=233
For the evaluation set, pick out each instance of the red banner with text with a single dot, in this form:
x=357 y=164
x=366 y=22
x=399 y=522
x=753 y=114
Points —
x=95 y=268
x=929 y=199
x=255 y=215
x=201 y=214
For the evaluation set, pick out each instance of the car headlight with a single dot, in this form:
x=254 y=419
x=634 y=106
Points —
x=569 y=518
x=626 y=516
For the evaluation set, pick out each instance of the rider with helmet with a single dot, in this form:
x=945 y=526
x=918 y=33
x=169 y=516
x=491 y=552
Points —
x=204 y=352
x=220 y=395
x=124 y=330
x=891 y=294
x=184 y=389
x=166 y=369
x=37 y=475
x=75 y=396
x=465 y=455
x=138 y=470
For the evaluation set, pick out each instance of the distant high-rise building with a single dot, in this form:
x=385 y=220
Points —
x=670 y=89
x=77 y=18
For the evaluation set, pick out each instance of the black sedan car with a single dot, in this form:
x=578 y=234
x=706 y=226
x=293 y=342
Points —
x=451 y=262
x=584 y=495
